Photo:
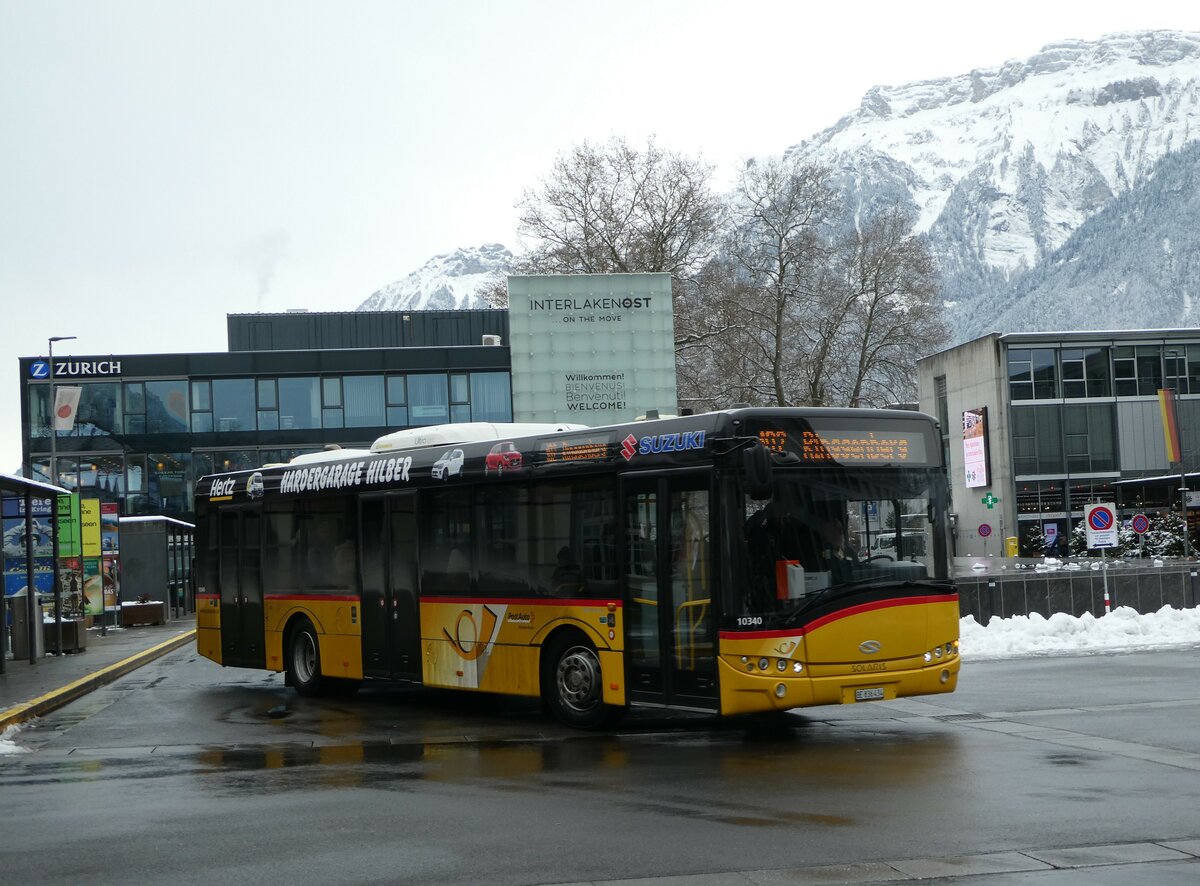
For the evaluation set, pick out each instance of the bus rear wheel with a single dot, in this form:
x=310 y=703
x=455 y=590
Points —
x=573 y=685
x=304 y=659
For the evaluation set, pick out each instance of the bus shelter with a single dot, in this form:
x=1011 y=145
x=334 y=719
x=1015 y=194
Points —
x=156 y=564
x=25 y=532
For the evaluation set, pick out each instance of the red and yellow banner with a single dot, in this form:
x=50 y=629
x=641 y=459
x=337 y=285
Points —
x=1170 y=422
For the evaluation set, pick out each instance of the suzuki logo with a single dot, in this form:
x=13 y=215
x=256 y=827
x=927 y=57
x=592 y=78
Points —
x=629 y=447
x=869 y=647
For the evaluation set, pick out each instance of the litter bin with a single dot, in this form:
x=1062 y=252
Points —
x=19 y=608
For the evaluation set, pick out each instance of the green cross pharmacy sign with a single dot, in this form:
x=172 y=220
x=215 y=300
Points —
x=990 y=500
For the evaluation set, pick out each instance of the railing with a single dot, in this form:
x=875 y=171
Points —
x=1008 y=586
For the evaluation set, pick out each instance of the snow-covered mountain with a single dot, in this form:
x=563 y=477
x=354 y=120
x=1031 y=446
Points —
x=445 y=282
x=1002 y=166
x=1058 y=192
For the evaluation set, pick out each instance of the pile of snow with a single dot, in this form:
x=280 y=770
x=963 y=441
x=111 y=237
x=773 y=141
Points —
x=8 y=744
x=1122 y=630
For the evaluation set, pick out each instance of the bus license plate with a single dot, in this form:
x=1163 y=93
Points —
x=875 y=694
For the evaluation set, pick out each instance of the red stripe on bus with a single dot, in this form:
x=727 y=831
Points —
x=835 y=616
x=324 y=598
x=521 y=601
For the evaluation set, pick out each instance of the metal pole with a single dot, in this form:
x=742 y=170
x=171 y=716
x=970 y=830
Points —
x=30 y=586
x=57 y=582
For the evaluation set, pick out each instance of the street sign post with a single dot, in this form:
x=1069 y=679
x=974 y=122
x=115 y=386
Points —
x=1101 y=521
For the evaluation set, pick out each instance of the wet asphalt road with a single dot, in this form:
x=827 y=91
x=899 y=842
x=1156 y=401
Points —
x=183 y=772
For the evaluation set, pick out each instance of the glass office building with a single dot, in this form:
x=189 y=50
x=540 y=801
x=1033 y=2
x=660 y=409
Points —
x=147 y=426
x=1037 y=425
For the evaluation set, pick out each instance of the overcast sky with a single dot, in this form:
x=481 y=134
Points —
x=165 y=164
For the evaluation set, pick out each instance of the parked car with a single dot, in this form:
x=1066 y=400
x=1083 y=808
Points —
x=503 y=457
x=449 y=465
x=912 y=544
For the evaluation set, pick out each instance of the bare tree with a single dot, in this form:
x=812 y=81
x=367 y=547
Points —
x=890 y=291
x=610 y=209
x=775 y=252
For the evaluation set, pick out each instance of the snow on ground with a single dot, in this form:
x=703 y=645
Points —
x=1122 y=630
x=8 y=743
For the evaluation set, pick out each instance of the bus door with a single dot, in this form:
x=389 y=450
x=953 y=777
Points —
x=670 y=637
x=240 y=578
x=391 y=628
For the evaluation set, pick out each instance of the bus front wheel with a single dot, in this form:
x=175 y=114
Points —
x=304 y=659
x=573 y=685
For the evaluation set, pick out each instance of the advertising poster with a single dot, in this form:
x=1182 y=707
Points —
x=591 y=349
x=93 y=587
x=89 y=526
x=109 y=523
x=70 y=577
x=68 y=526
x=975 y=454
x=16 y=532
x=110 y=572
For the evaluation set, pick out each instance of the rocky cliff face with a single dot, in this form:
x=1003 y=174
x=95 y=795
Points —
x=1002 y=166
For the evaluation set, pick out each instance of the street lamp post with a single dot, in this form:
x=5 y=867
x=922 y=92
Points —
x=54 y=501
x=53 y=408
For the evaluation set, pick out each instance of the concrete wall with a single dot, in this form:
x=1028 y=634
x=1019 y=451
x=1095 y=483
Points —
x=974 y=378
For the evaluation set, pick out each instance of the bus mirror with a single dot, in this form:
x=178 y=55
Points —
x=757 y=463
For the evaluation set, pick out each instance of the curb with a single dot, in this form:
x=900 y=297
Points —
x=51 y=701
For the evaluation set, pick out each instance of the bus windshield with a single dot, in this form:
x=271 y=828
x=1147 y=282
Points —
x=830 y=529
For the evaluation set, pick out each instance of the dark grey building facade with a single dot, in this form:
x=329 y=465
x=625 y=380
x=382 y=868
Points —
x=149 y=425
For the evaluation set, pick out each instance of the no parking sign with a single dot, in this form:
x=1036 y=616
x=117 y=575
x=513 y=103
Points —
x=1101 y=521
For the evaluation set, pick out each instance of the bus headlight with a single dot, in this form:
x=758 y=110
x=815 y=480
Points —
x=928 y=656
x=797 y=667
x=781 y=665
x=937 y=653
x=780 y=690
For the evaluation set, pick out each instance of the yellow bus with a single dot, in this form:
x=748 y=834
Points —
x=703 y=562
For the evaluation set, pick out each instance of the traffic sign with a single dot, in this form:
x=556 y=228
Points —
x=1101 y=522
x=985 y=530
x=990 y=500
x=1140 y=523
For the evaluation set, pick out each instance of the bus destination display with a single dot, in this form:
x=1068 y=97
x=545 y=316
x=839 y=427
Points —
x=847 y=446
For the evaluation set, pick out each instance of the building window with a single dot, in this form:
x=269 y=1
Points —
x=1175 y=369
x=233 y=405
x=460 y=397
x=299 y=403
x=1037 y=440
x=428 y=399
x=202 y=420
x=397 y=401
x=1040 y=497
x=268 y=405
x=332 y=414
x=491 y=396
x=167 y=406
x=1089 y=433
x=364 y=401
x=1032 y=374
x=1137 y=370
x=1085 y=373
